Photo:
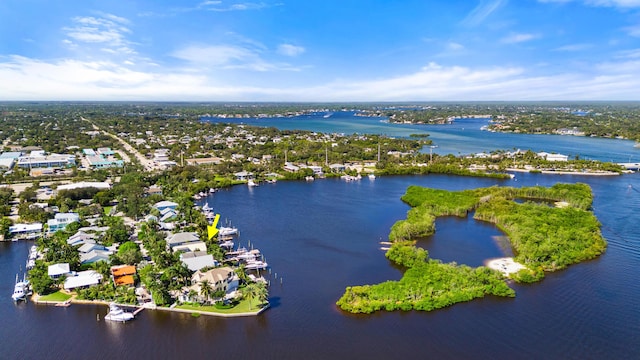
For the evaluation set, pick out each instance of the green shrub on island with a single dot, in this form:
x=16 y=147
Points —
x=544 y=238
x=426 y=285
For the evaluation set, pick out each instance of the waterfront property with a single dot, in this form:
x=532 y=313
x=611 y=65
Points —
x=57 y=270
x=123 y=274
x=82 y=280
x=26 y=231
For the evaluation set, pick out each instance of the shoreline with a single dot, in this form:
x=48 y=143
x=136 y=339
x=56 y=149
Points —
x=35 y=300
x=505 y=265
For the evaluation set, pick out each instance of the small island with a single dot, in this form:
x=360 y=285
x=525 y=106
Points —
x=548 y=228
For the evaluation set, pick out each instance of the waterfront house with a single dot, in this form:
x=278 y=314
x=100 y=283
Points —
x=56 y=270
x=26 y=231
x=552 y=157
x=220 y=279
x=290 y=167
x=338 y=168
x=123 y=274
x=243 y=175
x=82 y=280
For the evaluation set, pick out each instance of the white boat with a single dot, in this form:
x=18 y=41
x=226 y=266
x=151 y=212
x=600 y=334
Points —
x=256 y=265
x=226 y=231
x=271 y=181
x=371 y=176
x=252 y=183
x=227 y=244
x=20 y=290
x=206 y=207
x=309 y=178
x=117 y=314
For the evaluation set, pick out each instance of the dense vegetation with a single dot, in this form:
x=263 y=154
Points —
x=544 y=238
x=426 y=285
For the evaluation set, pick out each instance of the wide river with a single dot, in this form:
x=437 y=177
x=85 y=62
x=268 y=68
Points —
x=462 y=137
x=323 y=236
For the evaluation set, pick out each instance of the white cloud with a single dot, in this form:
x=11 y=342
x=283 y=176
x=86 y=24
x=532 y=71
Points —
x=481 y=12
x=67 y=79
x=290 y=50
x=633 y=30
x=574 y=47
x=229 y=57
x=454 y=46
x=109 y=31
x=518 y=38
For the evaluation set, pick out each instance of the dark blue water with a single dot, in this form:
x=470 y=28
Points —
x=462 y=137
x=322 y=236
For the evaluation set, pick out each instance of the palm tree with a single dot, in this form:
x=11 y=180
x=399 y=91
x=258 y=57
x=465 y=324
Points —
x=250 y=291
x=256 y=290
x=206 y=290
x=192 y=294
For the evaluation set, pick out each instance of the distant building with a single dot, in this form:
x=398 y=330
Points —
x=40 y=160
x=552 y=157
x=162 y=205
x=85 y=184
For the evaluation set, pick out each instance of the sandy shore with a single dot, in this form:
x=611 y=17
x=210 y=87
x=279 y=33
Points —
x=505 y=265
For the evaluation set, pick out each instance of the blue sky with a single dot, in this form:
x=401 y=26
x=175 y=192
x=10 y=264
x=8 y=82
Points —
x=320 y=50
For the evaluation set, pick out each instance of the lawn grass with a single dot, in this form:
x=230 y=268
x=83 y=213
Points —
x=56 y=296
x=242 y=307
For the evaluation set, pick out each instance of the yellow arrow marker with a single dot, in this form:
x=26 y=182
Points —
x=211 y=229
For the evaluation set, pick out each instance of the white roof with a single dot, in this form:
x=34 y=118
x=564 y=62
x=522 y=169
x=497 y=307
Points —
x=83 y=278
x=164 y=204
x=195 y=263
x=85 y=184
x=25 y=227
x=6 y=162
x=58 y=269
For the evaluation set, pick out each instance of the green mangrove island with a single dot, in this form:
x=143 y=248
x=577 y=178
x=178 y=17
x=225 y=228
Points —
x=548 y=228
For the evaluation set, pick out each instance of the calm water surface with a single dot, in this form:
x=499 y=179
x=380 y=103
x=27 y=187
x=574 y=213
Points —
x=322 y=236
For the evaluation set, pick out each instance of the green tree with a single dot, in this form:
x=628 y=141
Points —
x=129 y=253
x=206 y=290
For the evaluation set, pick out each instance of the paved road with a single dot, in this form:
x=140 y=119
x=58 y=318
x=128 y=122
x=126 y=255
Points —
x=148 y=164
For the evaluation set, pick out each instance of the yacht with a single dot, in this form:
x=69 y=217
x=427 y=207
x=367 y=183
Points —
x=225 y=231
x=372 y=176
x=252 y=183
x=20 y=290
x=117 y=314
